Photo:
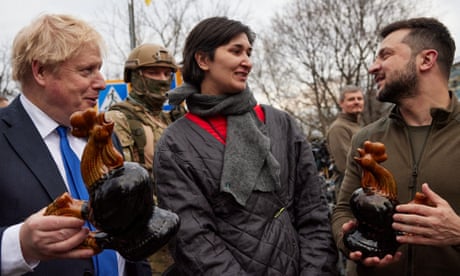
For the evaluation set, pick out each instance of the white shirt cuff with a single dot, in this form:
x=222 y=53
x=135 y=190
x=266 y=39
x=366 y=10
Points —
x=13 y=262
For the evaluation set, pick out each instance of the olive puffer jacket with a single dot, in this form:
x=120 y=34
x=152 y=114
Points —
x=286 y=232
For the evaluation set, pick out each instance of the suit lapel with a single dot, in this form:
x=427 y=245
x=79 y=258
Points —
x=30 y=147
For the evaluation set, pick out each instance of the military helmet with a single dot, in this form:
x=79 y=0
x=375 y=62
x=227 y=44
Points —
x=148 y=55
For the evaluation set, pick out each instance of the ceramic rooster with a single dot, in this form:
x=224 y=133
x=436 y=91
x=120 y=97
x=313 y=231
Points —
x=120 y=204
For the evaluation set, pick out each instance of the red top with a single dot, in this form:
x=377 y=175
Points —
x=217 y=126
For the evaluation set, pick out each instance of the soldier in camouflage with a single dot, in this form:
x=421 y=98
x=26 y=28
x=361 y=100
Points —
x=140 y=119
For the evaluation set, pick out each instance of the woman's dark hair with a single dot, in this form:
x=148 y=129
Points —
x=205 y=37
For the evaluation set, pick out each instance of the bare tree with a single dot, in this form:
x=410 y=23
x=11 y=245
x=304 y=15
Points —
x=165 y=22
x=7 y=86
x=315 y=47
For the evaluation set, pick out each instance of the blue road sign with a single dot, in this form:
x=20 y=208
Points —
x=113 y=93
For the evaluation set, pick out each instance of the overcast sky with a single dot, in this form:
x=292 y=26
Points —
x=14 y=14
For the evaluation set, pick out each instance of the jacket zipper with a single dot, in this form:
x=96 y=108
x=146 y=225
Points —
x=413 y=189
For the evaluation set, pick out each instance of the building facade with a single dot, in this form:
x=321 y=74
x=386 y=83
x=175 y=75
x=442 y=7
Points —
x=454 y=80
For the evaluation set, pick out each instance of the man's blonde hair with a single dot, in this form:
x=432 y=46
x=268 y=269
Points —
x=51 y=39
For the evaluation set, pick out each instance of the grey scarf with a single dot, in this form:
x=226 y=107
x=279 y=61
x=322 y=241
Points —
x=248 y=163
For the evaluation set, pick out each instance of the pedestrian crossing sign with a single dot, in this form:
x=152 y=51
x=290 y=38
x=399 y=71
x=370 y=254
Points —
x=115 y=91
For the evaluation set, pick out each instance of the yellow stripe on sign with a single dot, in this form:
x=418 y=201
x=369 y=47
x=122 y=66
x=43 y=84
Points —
x=148 y=2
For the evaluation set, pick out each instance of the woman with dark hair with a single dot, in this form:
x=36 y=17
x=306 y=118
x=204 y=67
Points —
x=241 y=175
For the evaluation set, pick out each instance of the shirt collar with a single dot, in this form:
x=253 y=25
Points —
x=44 y=124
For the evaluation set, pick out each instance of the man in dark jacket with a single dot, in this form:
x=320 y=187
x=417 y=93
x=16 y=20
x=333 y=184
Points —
x=57 y=61
x=422 y=138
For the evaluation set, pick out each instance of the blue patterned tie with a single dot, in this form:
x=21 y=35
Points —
x=105 y=263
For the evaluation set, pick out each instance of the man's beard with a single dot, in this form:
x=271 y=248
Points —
x=403 y=87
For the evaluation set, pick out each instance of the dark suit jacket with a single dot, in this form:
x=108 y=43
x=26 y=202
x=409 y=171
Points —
x=30 y=180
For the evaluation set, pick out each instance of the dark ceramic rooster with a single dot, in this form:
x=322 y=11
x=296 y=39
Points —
x=373 y=205
x=120 y=201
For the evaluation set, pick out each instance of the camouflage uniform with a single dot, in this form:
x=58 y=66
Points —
x=149 y=129
x=140 y=121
